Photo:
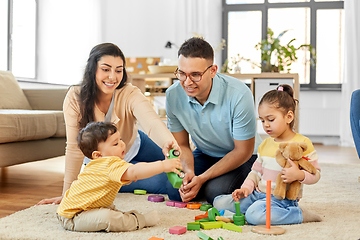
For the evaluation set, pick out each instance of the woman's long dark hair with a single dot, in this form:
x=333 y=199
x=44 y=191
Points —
x=89 y=89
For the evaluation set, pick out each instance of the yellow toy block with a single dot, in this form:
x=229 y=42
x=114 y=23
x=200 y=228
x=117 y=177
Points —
x=211 y=225
x=232 y=227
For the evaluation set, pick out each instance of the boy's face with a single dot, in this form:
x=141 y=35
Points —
x=113 y=146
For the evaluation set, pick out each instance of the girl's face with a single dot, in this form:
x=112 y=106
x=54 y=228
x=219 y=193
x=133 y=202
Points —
x=275 y=123
x=109 y=74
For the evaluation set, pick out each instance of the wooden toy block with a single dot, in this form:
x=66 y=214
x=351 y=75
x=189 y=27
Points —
x=224 y=219
x=211 y=225
x=205 y=207
x=180 y=204
x=213 y=212
x=203 y=236
x=170 y=203
x=177 y=230
x=193 y=205
x=203 y=220
x=232 y=227
x=155 y=238
x=200 y=217
x=220 y=238
x=156 y=198
x=221 y=211
x=139 y=192
x=193 y=226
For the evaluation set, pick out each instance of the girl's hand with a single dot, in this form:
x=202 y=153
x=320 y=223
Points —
x=168 y=146
x=172 y=165
x=240 y=193
x=292 y=173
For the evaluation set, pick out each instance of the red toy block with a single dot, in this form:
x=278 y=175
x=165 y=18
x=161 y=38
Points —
x=200 y=217
x=177 y=230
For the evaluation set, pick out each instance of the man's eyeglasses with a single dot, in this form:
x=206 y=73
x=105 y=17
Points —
x=195 y=76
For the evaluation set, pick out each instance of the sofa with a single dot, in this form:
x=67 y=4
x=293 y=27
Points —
x=32 y=125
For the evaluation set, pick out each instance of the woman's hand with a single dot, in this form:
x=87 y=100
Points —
x=168 y=146
x=55 y=200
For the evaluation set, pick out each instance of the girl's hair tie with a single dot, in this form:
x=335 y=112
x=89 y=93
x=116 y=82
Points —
x=280 y=89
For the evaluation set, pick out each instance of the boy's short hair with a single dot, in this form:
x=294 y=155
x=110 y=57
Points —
x=196 y=48
x=90 y=136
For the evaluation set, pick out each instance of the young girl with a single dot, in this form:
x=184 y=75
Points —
x=277 y=114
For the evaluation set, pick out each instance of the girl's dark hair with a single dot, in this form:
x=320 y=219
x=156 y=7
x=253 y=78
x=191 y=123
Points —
x=281 y=98
x=94 y=133
x=88 y=90
x=196 y=48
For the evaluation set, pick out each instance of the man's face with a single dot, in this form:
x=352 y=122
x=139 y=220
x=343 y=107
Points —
x=201 y=89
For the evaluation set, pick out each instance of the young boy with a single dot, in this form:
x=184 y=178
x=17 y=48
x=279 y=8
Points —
x=88 y=204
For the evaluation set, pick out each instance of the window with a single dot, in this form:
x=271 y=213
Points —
x=315 y=22
x=18 y=46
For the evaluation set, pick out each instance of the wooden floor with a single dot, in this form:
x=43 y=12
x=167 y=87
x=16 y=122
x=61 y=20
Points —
x=24 y=185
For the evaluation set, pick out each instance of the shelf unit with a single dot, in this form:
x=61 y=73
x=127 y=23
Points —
x=142 y=80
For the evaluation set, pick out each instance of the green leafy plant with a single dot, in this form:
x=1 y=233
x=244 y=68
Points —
x=233 y=66
x=285 y=54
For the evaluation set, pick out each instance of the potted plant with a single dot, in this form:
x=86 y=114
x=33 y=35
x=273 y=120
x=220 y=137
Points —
x=285 y=54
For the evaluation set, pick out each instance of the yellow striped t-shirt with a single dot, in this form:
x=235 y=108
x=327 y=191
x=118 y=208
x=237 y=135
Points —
x=97 y=186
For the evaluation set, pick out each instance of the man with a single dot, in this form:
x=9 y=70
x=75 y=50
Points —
x=218 y=113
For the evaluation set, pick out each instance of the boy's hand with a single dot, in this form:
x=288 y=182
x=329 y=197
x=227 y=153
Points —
x=240 y=193
x=172 y=165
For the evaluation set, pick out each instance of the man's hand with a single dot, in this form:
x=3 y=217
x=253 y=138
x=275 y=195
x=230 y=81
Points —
x=55 y=200
x=291 y=174
x=240 y=193
x=191 y=187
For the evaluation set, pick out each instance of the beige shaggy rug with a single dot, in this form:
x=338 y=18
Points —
x=336 y=198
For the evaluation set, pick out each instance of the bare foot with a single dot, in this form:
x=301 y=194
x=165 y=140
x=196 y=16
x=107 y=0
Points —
x=151 y=218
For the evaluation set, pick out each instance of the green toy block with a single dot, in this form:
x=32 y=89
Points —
x=232 y=227
x=203 y=236
x=212 y=213
x=211 y=225
x=220 y=238
x=174 y=179
x=139 y=192
x=193 y=226
x=205 y=207
x=203 y=220
x=239 y=218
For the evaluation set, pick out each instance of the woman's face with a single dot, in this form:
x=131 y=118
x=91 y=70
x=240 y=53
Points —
x=109 y=73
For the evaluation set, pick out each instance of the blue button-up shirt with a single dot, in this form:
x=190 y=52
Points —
x=227 y=114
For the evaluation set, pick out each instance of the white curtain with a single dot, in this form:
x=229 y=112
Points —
x=351 y=67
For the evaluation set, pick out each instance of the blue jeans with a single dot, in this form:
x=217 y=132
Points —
x=223 y=184
x=148 y=152
x=355 y=118
x=254 y=207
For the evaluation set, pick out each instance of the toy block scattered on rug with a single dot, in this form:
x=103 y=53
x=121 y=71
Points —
x=177 y=230
x=239 y=218
x=193 y=226
x=211 y=225
x=193 y=205
x=203 y=236
x=156 y=198
x=206 y=219
x=232 y=227
x=205 y=207
x=180 y=204
x=139 y=192
x=201 y=216
x=155 y=238
x=213 y=212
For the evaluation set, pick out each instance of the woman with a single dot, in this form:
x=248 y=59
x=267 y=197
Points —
x=104 y=95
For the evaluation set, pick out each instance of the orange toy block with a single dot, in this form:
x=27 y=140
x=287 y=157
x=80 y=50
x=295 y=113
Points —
x=193 y=205
x=200 y=217
x=155 y=238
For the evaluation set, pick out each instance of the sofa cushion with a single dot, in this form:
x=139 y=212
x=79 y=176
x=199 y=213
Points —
x=11 y=95
x=24 y=125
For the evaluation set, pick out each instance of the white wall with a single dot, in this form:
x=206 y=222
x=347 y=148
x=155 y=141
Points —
x=67 y=30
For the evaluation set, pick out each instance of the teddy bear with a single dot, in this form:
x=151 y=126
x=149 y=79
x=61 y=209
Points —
x=293 y=151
